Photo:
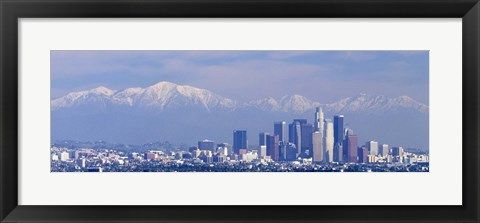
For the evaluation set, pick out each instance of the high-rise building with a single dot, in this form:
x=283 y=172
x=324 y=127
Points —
x=273 y=147
x=338 y=147
x=306 y=136
x=338 y=152
x=329 y=141
x=239 y=140
x=363 y=154
x=206 y=145
x=262 y=150
x=294 y=135
x=384 y=150
x=280 y=129
x=338 y=129
x=262 y=138
x=352 y=148
x=226 y=146
x=317 y=145
x=318 y=123
x=300 y=120
x=397 y=151
x=288 y=151
x=372 y=147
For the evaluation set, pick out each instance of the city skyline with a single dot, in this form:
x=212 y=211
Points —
x=252 y=110
x=311 y=147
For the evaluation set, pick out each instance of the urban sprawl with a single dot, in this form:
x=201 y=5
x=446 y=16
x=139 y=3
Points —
x=324 y=146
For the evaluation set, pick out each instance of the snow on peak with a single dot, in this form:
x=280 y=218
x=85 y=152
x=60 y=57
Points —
x=160 y=95
x=297 y=103
x=375 y=103
x=102 y=91
x=163 y=95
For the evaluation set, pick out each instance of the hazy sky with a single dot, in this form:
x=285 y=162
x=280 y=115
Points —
x=323 y=76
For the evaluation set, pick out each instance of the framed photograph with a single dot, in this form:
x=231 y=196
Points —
x=239 y=111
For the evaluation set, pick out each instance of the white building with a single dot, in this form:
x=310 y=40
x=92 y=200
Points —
x=328 y=140
x=64 y=156
x=372 y=147
x=263 y=151
x=384 y=150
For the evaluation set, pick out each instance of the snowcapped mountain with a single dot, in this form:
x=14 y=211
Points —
x=289 y=103
x=165 y=95
x=100 y=95
x=375 y=104
x=159 y=96
x=181 y=113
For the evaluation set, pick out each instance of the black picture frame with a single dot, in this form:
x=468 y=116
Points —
x=12 y=10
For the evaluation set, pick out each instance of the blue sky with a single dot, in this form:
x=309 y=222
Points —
x=323 y=76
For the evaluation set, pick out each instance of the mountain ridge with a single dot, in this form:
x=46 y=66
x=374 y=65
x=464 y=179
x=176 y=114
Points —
x=164 y=95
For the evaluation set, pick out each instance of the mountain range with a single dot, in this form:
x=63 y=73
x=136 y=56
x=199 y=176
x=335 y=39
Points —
x=167 y=95
x=166 y=111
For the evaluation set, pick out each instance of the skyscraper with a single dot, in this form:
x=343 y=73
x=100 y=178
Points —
x=280 y=129
x=294 y=135
x=352 y=148
x=262 y=138
x=328 y=141
x=239 y=140
x=338 y=152
x=317 y=145
x=363 y=154
x=397 y=151
x=206 y=145
x=338 y=129
x=384 y=150
x=318 y=123
x=272 y=147
x=306 y=136
x=372 y=147
x=347 y=132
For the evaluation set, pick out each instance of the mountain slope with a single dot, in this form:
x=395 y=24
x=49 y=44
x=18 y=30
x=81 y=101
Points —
x=159 y=96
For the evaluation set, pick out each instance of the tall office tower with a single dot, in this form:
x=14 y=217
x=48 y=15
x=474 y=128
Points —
x=318 y=123
x=338 y=138
x=239 y=140
x=397 y=151
x=290 y=152
x=280 y=129
x=295 y=135
x=206 y=145
x=372 y=147
x=262 y=138
x=338 y=152
x=363 y=154
x=317 y=144
x=351 y=142
x=347 y=132
x=384 y=150
x=272 y=147
x=300 y=120
x=328 y=140
x=337 y=129
x=306 y=136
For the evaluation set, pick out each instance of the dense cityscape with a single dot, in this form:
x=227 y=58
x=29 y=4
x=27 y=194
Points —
x=324 y=146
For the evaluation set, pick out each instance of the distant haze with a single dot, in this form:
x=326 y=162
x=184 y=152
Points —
x=185 y=96
x=324 y=76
